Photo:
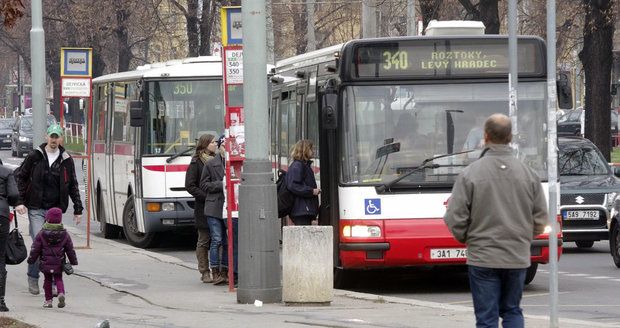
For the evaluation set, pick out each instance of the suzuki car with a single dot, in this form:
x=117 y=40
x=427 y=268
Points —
x=589 y=189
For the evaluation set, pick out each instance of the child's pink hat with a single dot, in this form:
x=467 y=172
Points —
x=53 y=215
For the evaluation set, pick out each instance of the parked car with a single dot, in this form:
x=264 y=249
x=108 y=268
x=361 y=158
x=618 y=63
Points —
x=589 y=189
x=6 y=128
x=22 y=134
x=21 y=141
x=569 y=124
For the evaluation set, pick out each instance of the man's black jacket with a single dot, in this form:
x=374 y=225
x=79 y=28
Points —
x=31 y=180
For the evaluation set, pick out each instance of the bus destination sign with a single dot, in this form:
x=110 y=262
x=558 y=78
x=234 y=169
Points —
x=444 y=58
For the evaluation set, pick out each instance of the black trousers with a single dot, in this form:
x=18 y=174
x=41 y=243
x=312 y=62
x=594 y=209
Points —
x=303 y=220
x=5 y=227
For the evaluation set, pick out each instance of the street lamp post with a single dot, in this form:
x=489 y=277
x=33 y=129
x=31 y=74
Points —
x=259 y=250
x=37 y=54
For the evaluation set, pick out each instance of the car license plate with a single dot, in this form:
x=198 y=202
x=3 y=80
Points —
x=582 y=215
x=448 y=253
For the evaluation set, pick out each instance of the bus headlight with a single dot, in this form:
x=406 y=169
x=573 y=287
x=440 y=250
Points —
x=547 y=230
x=166 y=207
x=361 y=231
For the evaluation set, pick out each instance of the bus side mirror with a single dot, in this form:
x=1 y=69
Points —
x=329 y=112
x=565 y=94
x=136 y=113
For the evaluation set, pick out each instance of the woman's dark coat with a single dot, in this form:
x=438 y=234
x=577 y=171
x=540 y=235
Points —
x=211 y=182
x=192 y=185
x=300 y=182
x=50 y=246
x=9 y=195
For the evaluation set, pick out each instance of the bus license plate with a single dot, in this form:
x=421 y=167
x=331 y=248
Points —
x=448 y=253
x=582 y=215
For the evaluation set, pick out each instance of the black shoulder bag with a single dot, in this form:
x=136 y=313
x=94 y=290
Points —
x=16 y=251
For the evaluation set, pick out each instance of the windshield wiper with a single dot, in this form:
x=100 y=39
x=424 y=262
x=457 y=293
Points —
x=423 y=166
x=171 y=158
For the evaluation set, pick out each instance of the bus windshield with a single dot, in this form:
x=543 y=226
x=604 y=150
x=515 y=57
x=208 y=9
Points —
x=390 y=130
x=179 y=112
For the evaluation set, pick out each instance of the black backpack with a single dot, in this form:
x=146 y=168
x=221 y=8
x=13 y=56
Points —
x=285 y=198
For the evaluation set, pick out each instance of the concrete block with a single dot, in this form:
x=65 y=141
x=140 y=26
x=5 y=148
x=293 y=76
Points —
x=307 y=265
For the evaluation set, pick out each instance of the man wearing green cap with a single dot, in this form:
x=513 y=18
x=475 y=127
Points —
x=46 y=179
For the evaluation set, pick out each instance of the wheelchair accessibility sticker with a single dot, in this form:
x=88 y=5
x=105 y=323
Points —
x=372 y=206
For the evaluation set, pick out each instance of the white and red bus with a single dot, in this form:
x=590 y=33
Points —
x=139 y=160
x=391 y=119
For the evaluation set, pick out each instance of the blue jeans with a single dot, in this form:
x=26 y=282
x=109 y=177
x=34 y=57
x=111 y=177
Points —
x=218 y=238
x=36 y=217
x=497 y=293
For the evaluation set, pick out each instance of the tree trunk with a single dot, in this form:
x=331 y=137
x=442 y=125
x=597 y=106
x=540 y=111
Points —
x=485 y=11
x=596 y=57
x=122 y=37
x=209 y=11
x=489 y=15
x=191 y=16
x=300 y=26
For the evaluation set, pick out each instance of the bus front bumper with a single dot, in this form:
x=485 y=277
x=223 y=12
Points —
x=173 y=214
x=407 y=243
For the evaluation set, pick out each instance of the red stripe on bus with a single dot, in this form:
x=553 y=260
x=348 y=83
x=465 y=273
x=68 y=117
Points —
x=99 y=148
x=167 y=168
x=121 y=149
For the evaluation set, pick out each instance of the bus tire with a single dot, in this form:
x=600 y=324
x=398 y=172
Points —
x=130 y=228
x=344 y=279
x=531 y=273
x=108 y=230
x=614 y=243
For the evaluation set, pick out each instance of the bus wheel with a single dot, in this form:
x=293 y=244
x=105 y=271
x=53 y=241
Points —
x=614 y=243
x=108 y=230
x=130 y=228
x=344 y=279
x=531 y=273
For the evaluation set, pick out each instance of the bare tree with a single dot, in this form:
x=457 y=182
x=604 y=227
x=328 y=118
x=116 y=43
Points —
x=200 y=20
x=485 y=11
x=429 y=9
x=11 y=11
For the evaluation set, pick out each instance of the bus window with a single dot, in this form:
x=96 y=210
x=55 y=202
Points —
x=180 y=111
x=312 y=125
x=273 y=112
x=284 y=118
x=99 y=114
x=293 y=134
x=121 y=105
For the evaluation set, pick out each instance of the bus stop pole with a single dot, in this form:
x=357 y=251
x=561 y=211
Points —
x=259 y=248
x=552 y=166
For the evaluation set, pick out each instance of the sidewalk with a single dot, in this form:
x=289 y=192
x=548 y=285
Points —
x=132 y=287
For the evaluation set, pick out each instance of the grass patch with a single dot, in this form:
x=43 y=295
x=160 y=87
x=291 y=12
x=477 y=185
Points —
x=77 y=146
x=12 y=323
x=615 y=155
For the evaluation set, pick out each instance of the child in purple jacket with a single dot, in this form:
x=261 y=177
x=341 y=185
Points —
x=50 y=246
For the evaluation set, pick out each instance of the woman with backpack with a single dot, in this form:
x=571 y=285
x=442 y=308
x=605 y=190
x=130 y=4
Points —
x=301 y=183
